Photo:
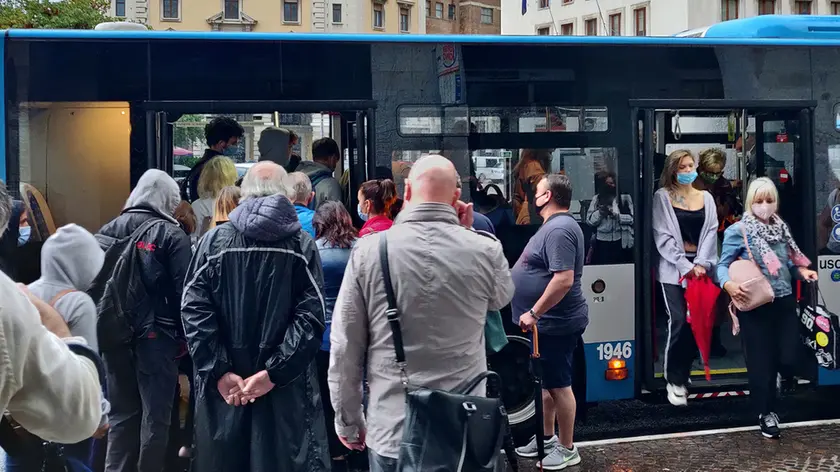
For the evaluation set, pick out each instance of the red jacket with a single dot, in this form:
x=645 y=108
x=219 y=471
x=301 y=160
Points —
x=376 y=224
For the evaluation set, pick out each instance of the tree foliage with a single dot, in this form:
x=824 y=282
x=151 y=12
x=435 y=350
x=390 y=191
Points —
x=66 y=14
x=186 y=136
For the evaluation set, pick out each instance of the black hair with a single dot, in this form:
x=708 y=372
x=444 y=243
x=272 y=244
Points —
x=561 y=189
x=325 y=148
x=222 y=128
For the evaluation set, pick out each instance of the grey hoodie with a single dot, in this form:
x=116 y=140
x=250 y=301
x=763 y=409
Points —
x=155 y=190
x=274 y=145
x=327 y=188
x=70 y=260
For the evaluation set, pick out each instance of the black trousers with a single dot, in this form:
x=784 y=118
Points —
x=770 y=335
x=680 y=346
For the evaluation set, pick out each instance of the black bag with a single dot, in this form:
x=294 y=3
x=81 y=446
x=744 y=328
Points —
x=494 y=206
x=118 y=291
x=820 y=328
x=444 y=431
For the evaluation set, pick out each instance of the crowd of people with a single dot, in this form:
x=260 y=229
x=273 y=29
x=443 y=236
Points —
x=273 y=305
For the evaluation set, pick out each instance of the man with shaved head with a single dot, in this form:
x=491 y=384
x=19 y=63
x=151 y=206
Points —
x=446 y=277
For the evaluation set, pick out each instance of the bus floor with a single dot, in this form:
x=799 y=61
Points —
x=731 y=363
x=808 y=446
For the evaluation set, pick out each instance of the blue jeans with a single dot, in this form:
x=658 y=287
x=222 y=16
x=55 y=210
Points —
x=381 y=463
x=78 y=458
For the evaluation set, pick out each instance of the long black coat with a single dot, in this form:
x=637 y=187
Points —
x=253 y=301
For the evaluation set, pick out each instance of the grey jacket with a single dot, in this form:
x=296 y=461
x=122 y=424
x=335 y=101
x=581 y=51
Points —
x=327 y=189
x=446 y=278
x=666 y=234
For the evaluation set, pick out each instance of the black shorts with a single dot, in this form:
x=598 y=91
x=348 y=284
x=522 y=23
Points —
x=557 y=355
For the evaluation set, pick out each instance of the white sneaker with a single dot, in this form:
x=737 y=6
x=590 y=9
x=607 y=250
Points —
x=530 y=449
x=560 y=458
x=677 y=395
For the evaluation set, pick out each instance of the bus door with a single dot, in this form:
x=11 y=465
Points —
x=170 y=135
x=734 y=142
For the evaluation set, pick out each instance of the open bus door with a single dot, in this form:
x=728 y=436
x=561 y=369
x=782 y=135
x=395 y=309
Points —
x=772 y=138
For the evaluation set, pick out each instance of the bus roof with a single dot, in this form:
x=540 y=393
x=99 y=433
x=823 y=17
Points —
x=773 y=27
x=717 y=40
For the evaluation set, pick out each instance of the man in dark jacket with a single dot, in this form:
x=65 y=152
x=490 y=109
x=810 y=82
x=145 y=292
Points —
x=222 y=134
x=325 y=157
x=253 y=313
x=142 y=375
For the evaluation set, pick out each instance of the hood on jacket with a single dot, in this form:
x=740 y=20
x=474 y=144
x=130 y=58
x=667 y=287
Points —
x=274 y=145
x=310 y=168
x=266 y=218
x=71 y=257
x=158 y=191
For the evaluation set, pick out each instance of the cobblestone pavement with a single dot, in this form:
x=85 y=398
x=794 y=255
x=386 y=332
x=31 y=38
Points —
x=802 y=449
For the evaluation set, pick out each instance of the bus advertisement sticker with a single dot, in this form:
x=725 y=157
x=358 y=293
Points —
x=822 y=339
x=835 y=213
x=823 y=323
x=835 y=233
x=835 y=275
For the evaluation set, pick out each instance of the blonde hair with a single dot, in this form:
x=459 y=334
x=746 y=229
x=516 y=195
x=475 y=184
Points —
x=760 y=187
x=710 y=157
x=217 y=174
x=226 y=202
x=668 y=179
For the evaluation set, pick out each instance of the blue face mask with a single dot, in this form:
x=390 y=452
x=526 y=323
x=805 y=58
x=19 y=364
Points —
x=362 y=214
x=687 y=178
x=231 y=151
x=23 y=235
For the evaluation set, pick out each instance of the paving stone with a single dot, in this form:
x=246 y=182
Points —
x=806 y=449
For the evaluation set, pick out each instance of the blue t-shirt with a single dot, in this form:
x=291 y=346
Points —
x=557 y=247
x=482 y=223
x=305 y=216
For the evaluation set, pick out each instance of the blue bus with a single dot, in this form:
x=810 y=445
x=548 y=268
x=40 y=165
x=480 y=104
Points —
x=87 y=112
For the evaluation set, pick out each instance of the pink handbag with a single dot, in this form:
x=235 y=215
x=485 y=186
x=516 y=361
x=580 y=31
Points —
x=747 y=274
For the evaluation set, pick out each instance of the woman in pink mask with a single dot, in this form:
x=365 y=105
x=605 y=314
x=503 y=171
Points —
x=770 y=332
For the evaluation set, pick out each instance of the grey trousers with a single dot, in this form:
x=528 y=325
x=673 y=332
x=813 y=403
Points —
x=141 y=379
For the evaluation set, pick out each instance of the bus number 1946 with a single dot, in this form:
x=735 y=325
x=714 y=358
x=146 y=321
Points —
x=607 y=351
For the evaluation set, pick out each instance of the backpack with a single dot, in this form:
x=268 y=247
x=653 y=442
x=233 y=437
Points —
x=122 y=304
x=316 y=179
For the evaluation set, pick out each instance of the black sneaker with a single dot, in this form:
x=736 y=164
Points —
x=769 y=424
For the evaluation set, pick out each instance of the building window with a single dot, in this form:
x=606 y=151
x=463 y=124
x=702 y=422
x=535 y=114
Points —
x=291 y=10
x=543 y=31
x=378 y=16
x=231 y=9
x=428 y=8
x=835 y=8
x=803 y=7
x=567 y=29
x=169 y=10
x=438 y=10
x=336 y=13
x=486 y=16
x=640 y=21
x=451 y=11
x=591 y=27
x=543 y=3
x=404 y=20
x=119 y=8
x=615 y=24
x=766 y=7
x=728 y=10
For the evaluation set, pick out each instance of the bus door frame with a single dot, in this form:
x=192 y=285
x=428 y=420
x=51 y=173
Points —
x=645 y=110
x=158 y=126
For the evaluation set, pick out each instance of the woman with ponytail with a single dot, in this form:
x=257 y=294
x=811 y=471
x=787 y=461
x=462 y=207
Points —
x=376 y=197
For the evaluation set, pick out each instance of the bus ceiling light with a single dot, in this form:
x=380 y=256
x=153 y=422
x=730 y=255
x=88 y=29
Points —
x=616 y=369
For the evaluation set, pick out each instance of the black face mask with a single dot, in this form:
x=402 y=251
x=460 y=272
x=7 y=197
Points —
x=537 y=205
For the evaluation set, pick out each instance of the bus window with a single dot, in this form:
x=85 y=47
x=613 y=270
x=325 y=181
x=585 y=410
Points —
x=829 y=219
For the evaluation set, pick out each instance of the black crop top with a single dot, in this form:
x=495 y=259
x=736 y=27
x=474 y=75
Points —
x=691 y=224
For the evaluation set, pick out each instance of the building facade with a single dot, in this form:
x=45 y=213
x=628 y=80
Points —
x=464 y=16
x=297 y=16
x=642 y=17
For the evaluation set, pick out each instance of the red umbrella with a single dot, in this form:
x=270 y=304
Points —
x=700 y=297
x=177 y=151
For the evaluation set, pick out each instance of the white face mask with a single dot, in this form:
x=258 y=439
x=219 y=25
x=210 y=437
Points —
x=764 y=211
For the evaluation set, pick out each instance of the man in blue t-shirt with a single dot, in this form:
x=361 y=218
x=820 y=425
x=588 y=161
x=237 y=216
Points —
x=548 y=294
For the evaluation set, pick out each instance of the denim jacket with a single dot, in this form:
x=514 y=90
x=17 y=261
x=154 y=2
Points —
x=734 y=249
x=334 y=261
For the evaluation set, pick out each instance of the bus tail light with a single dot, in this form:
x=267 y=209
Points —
x=616 y=370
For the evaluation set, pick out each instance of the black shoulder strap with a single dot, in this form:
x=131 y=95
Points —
x=393 y=312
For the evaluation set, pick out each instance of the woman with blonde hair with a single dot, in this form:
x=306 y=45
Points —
x=218 y=173
x=770 y=333
x=685 y=232
x=226 y=202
